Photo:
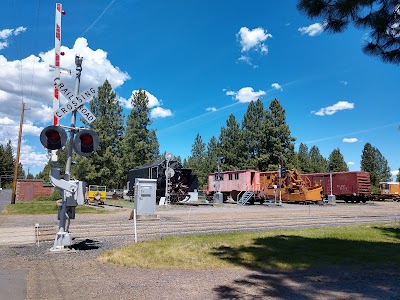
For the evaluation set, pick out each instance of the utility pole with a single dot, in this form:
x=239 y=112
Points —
x=13 y=194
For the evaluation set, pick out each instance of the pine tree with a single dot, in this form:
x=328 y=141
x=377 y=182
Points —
x=102 y=167
x=139 y=144
x=280 y=143
x=303 y=157
x=197 y=161
x=381 y=16
x=398 y=175
x=318 y=163
x=254 y=136
x=213 y=151
x=232 y=145
x=337 y=161
x=372 y=161
x=6 y=164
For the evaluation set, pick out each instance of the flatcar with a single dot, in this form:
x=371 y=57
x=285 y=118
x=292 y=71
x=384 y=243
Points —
x=348 y=186
x=181 y=183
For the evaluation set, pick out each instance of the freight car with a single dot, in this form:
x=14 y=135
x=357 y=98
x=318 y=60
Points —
x=254 y=186
x=181 y=183
x=348 y=186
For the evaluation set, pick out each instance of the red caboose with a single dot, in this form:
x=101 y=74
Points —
x=233 y=183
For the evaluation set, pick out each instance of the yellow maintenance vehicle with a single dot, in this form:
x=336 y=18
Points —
x=96 y=193
x=292 y=188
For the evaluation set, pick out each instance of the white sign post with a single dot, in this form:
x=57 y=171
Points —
x=76 y=102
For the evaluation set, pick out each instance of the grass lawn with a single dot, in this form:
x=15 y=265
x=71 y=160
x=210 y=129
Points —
x=366 y=246
x=45 y=207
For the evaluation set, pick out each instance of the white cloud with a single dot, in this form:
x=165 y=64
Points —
x=6 y=121
x=211 y=109
x=350 y=140
x=153 y=101
x=253 y=39
x=313 y=29
x=156 y=112
x=246 y=59
x=330 y=110
x=351 y=163
x=159 y=112
x=277 y=86
x=5 y=34
x=3 y=45
x=395 y=172
x=246 y=94
x=344 y=82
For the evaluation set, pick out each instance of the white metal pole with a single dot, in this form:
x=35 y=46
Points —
x=134 y=224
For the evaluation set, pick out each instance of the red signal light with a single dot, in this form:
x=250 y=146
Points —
x=53 y=136
x=86 y=140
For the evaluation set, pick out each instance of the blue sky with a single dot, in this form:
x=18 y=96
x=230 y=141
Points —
x=200 y=61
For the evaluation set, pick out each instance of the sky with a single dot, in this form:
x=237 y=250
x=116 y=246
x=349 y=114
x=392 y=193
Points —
x=199 y=62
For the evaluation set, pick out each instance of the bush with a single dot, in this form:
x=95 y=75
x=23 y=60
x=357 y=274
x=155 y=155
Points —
x=56 y=195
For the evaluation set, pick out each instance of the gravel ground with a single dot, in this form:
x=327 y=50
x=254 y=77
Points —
x=79 y=275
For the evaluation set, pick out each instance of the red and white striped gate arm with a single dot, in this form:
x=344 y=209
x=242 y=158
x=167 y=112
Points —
x=56 y=99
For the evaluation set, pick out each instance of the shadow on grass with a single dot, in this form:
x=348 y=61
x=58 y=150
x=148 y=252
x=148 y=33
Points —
x=294 y=267
x=390 y=231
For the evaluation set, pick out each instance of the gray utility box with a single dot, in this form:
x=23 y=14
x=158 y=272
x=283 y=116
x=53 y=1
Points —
x=145 y=196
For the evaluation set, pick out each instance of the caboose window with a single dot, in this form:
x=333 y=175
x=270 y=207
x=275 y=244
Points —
x=230 y=176
x=236 y=176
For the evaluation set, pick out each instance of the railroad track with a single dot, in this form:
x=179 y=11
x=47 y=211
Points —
x=157 y=229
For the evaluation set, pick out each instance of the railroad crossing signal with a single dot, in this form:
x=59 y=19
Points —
x=53 y=137
x=75 y=102
x=283 y=172
x=86 y=142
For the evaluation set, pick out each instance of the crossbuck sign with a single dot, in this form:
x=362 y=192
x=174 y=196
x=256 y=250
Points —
x=75 y=102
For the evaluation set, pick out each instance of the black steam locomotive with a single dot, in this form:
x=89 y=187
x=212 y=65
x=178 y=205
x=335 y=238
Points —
x=182 y=180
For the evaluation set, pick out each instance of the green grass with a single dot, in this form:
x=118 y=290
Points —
x=369 y=246
x=123 y=203
x=43 y=208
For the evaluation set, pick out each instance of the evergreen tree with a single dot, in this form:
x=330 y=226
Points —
x=304 y=161
x=381 y=16
x=318 y=163
x=102 y=167
x=383 y=166
x=139 y=144
x=7 y=164
x=197 y=161
x=398 y=175
x=255 y=139
x=21 y=172
x=372 y=161
x=280 y=143
x=337 y=161
x=232 y=145
x=213 y=151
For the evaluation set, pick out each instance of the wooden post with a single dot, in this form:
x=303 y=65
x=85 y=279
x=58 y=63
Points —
x=13 y=195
